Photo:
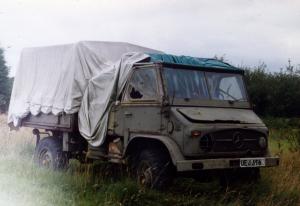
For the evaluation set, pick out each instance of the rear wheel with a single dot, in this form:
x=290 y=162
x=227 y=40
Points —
x=154 y=169
x=49 y=154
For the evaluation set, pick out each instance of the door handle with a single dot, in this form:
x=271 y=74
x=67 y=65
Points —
x=128 y=114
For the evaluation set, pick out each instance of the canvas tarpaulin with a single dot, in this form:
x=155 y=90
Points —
x=84 y=77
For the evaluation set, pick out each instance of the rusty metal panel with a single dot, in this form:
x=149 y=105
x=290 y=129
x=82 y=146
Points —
x=203 y=114
x=145 y=119
x=63 y=122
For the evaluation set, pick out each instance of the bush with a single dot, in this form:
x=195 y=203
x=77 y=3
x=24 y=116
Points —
x=5 y=84
x=274 y=94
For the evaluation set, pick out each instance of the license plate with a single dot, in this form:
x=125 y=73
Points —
x=252 y=162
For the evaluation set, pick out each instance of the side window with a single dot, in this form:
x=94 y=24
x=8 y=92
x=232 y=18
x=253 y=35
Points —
x=143 y=85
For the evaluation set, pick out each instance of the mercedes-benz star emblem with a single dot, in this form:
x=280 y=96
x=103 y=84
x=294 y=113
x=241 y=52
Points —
x=237 y=140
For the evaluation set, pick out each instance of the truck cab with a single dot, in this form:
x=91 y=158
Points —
x=186 y=118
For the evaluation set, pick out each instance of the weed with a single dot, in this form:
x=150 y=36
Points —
x=21 y=183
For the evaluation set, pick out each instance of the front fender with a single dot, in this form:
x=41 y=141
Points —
x=171 y=146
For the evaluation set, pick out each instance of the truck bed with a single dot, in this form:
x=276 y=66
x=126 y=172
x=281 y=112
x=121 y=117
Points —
x=62 y=122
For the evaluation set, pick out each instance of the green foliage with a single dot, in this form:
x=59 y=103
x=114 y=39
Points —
x=282 y=123
x=286 y=131
x=5 y=83
x=274 y=94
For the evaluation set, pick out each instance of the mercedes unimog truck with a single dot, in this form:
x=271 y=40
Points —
x=160 y=114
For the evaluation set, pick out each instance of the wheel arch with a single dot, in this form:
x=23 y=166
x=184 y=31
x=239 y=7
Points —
x=138 y=142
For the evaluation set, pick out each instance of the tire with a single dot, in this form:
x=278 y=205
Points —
x=154 y=169
x=49 y=154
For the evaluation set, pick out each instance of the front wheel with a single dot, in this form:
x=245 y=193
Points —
x=49 y=154
x=154 y=169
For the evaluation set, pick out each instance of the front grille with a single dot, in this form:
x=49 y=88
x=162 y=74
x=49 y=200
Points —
x=234 y=141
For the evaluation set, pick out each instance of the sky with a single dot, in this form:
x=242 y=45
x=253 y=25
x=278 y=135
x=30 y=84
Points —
x=246 y=32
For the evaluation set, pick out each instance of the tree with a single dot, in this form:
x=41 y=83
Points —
x=274 y=93
x=4 y=83
x=220 y=58
x=290 y=67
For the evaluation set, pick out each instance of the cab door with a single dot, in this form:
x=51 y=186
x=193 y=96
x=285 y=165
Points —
x=141 y=103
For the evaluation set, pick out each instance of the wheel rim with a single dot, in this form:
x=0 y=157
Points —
x=46 y=159
x=145 y=174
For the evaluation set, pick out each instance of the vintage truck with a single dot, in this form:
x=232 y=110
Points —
x=174 y=114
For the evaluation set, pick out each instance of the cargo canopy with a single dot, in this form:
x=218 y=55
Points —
x=83 y=77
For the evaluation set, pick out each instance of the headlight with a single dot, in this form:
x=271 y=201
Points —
x=206 y=143
x=262 y=142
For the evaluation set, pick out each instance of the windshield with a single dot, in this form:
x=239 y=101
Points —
x=195 y=84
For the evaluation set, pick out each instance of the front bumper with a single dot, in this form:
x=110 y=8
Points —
x=227 y=163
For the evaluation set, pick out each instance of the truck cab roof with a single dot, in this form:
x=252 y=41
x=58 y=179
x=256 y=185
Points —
x=195 y=62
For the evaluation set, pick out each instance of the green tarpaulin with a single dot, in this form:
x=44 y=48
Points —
x=191 y=61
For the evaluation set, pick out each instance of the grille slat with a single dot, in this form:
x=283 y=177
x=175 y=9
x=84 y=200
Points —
x=235 y=141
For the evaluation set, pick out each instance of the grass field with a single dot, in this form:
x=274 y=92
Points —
x=21 y=183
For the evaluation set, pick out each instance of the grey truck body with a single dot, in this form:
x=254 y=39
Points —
x=199 y=133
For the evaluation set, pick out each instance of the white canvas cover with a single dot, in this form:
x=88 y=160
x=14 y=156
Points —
x=84 y=77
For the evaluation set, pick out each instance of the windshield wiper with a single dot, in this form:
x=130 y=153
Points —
x=235 y=100
x=229 y=95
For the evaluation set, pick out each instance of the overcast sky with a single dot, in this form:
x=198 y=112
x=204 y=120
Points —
x=246 y=31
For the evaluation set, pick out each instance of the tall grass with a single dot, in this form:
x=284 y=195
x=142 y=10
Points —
x=14 y=143
x=21 y=183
